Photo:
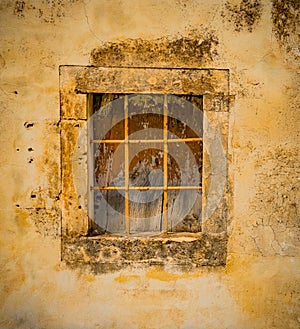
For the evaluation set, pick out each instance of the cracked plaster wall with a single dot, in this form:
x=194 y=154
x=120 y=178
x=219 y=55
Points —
x=258 y=41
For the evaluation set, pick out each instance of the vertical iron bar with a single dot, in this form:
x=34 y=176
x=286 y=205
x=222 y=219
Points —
x=165 y=203
x=127 y=222
x=90 y=161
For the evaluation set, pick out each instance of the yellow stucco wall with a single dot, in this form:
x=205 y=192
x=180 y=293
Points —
x=258 y=41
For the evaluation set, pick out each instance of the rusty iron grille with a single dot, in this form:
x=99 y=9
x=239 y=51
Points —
x=140 y=167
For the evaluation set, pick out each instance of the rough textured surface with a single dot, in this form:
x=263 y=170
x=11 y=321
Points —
x=46 y=11
x=281 y=227
x=193 y=51
x=244 y=15
x=285 y=17
x=213 y=84
x=106 y=254
x=132 y=80
x=259 y=285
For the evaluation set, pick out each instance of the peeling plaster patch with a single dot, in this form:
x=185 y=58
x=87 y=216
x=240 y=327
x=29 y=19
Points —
x=19 y=8
x=44 y=58
x=285 y=18
x=243 y=16
x=43 y=201
x=48 y=11
x=47 y=221
x=275 y=210
x=194 y=50
x=2 y=62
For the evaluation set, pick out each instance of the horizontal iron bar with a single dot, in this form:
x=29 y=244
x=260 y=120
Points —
x=136 y=141
x=144 y=188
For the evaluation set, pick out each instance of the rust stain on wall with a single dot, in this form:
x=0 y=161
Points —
x=165 y=276
x=123 y=278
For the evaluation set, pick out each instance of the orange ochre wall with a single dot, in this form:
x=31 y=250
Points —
x=258 y=41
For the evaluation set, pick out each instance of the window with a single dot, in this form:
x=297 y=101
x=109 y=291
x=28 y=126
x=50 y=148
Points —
x=147 y=173
x=144 y=166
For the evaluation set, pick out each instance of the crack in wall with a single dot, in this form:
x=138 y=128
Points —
x=275 y=209
x=88 y=22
